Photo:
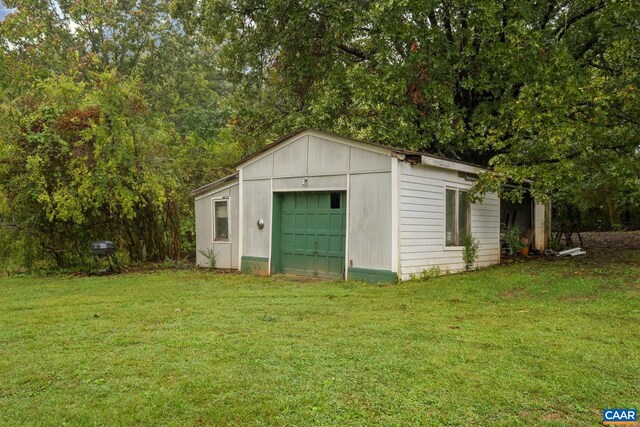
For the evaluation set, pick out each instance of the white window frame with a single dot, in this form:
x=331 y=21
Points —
x=215 y=200
x=458 y=190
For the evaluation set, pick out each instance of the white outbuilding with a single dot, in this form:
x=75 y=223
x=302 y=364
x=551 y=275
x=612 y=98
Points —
x=318 y=204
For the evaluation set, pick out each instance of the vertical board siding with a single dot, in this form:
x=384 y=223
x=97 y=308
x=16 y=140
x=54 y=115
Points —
x=327 y=157
x=234 y=220
x=204 y=242
x=370 y=221
x=422 y=222
x=287 y=160
x=257 y=205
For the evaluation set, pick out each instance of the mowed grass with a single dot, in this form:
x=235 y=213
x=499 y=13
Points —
x=539 y=343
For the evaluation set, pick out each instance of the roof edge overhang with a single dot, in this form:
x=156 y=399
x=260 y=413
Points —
x=214 y=185
x=413 y=157
x=417 y=158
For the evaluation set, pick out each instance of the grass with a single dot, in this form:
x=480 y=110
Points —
x=540 y=343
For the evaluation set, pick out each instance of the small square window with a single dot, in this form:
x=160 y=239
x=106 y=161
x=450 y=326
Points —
x=335 y=200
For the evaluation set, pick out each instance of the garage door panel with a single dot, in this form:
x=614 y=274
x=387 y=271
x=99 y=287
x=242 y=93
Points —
x=312 y=222
x=300 y=222
x=288 y=204
x=312 y=202
x=335 y=222
x=323 y=221
x=336 y=243
x=322 y=264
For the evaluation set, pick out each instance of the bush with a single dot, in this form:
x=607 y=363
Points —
x=211 y=256
x=427 y=274
x=510 y=236
x=470 y=247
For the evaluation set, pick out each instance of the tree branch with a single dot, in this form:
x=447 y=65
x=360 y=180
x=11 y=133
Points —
x=363 y=56
x=561 y=31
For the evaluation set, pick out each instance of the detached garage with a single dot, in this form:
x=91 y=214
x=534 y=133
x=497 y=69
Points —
x=318 y=204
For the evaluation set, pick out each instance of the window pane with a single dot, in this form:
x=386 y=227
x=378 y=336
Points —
x=221 y=220
x=335 y=200
x=451 y=239
x=463 y=215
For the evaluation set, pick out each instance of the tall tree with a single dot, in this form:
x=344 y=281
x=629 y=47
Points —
x=540 y=90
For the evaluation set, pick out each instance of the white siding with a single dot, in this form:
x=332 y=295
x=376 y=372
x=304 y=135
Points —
x=370 y=221
x=257 y=205
x=422 y=217
x=226 y=252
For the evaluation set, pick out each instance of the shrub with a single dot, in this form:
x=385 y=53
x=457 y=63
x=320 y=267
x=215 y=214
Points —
x=470 y=246
x=427 y=274
x=211 y=256
x=510 y=236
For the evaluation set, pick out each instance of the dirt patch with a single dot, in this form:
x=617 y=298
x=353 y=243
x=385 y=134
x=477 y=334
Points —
x=303 y=279
x=514 y=293
x=610 y=244
x=554 y=416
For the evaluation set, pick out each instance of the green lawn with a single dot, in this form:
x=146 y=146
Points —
x=548 y=343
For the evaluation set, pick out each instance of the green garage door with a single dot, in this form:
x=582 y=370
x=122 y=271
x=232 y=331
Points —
x=312 y=234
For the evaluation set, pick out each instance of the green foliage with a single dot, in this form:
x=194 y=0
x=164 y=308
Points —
x=427 y=274
x=470 y=247
x=111 y=115
x=210 y=255
x=510 y=236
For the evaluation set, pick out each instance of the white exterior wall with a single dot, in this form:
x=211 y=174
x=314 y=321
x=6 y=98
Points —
x=256 y=205
x=369 y=221
x=226 y=251
x=422 y=221
x=328 y=163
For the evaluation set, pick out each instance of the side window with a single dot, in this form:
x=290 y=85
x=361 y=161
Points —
x=220 y=220
x=457 y=216
x=451 y=232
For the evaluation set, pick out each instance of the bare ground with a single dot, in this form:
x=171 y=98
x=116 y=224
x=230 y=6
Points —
x=610 y=245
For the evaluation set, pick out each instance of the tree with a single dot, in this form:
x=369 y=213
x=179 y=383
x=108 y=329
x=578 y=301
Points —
x=540 y=91
x=111 y=115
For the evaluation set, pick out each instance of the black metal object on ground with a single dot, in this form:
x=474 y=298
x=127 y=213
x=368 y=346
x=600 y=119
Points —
x=103 y=250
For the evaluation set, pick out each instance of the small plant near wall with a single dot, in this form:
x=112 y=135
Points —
x=470 y=247
x=510 y=236
x=426 y=274
x=211 y=256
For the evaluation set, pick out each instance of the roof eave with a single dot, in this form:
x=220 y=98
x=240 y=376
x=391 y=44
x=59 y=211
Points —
x=214 y=185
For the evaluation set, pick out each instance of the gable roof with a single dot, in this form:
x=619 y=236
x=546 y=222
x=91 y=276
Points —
x=411 y=156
